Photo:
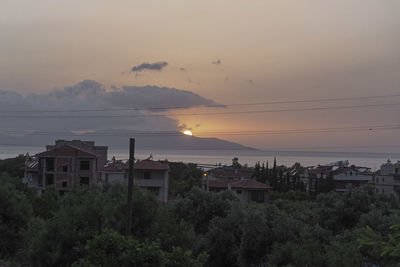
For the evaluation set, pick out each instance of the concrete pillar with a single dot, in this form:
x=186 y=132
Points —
x=165 y=186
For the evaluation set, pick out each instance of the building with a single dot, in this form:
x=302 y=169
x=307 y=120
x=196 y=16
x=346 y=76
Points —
x=387 y=179
x=229 y=172
x=148 y=174
x=236 y=180
x=342 y=172
x=65 y=164
x=246 y=190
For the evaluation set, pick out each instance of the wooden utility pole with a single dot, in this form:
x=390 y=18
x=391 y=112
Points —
x=130 y=185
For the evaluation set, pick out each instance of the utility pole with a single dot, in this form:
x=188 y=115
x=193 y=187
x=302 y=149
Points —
x=130 y=184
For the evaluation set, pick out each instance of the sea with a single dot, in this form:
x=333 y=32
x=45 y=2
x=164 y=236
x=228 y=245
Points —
x=209 y=158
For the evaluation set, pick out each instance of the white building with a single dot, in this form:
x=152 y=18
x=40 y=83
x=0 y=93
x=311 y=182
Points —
x=246 y=190
x=387 y=180
x=342 y=173
x=148 y=174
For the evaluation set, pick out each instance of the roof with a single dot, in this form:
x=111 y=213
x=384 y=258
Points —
x=147 y=164
x=115 y=166
x=243 y=184
x=337 y=169
x=249 y=184
x=231 y=173
x=32 y=166
x=67 y=150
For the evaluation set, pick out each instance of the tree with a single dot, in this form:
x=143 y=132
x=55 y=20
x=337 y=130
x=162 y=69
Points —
x=14 y=167
x=388 y=245
x=109 y=248
x=15 y=214
x=200 y=207
x=183 y=177
x=47 y=204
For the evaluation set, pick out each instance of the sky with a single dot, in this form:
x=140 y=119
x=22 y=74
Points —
x=226 y=52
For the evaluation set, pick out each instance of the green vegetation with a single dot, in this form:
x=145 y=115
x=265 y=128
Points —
x=183 y=177
x=86 y=227
x=13 y=167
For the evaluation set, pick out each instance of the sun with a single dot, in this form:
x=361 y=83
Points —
x=187 y=132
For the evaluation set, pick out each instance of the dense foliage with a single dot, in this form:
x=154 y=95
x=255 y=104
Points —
x=14 y=167
x=86 y=227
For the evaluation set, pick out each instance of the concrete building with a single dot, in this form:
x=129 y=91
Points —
x=229 y=172
x=237 y=180
x=64 y=165
x=387 y=179
x=342 y=173
x=148 y=174
x=246 y=190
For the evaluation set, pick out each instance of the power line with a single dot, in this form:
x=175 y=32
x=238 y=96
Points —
x=207 y=106
x=270 y=149
x=209 y=133
x=205 y=113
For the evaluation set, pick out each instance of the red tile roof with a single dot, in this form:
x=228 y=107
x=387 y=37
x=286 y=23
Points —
x=115 y=167
x=249 y=184
x=146 y=164
x=244 y=184
x=220 y=183
x=231 y=173
x=66 y=150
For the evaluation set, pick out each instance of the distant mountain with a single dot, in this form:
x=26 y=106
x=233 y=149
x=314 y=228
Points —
x=120 y=139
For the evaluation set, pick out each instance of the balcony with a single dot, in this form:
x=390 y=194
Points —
x=396 y=189
x=149 y=183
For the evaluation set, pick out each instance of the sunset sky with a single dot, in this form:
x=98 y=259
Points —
x=227 y=51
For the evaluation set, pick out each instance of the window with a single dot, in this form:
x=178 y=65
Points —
x=377 y=190
x=396 y=171
x=383 y=180
x=351 y=173
x=238 y=191
x=257 y=196
x=383 y=190
x=50 y=164
x=49 y=179
x=84 y=165
x=377 y=179
x=65 y=168
x=84 y=180
x=147 y=175
x=64 y=184
x=153 y=190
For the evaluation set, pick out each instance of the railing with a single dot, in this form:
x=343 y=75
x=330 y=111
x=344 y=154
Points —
x=149 y=183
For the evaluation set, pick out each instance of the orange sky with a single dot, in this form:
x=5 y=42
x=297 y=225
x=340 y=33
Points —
x=269 y=50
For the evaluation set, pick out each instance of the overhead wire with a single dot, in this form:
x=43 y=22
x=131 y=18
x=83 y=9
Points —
x=205 y=113
x=207 y=133
x=204 y=106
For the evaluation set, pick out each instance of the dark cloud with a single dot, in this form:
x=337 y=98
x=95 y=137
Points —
x=150 y=66
x=89 y=95
x=217 y=62
x=182 y=69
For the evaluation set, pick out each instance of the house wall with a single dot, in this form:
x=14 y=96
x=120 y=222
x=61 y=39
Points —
x=243 y=196
x=352 y=176
x=114 y=178
x=72 y=176
x=388 y=185
x=158 y=179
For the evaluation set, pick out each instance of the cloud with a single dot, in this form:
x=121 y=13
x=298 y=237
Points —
x=182 y=69
x=90 y=95
x=158 y=66
x=217 y=62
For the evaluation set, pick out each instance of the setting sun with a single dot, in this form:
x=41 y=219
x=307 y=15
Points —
x=187 y=132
